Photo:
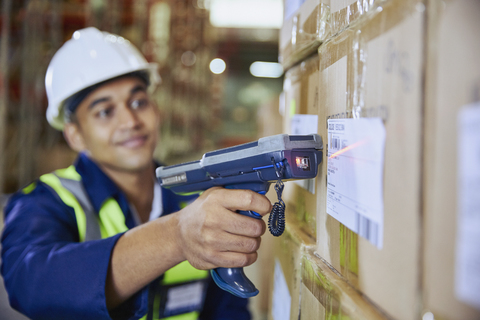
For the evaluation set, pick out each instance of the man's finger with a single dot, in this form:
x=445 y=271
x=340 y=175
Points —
x=245 y=226
x=245 y=200
x=227 y=242
x=234 y=259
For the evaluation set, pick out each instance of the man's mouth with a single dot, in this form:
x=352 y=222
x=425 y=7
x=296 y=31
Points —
x=134 y=142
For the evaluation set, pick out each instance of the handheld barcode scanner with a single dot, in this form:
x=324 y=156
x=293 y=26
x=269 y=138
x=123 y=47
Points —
x=252 y=166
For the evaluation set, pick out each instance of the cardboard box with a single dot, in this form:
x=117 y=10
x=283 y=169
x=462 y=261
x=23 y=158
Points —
x=301 y=98
x=269 y=120
x=307 y=288
x=305 y=27
x=375 y=69
x=286 y=284
x=345 y=12
x=417 y=75
x=260 y=273
x=325 y=295
x=453 y=80
x=308 y=23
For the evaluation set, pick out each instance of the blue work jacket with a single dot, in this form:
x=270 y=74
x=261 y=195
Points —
x=50 y=274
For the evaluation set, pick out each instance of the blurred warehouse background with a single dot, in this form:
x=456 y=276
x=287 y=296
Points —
x=198 y=98
x=210 y=96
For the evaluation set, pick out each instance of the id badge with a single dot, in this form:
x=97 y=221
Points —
x=175 y=299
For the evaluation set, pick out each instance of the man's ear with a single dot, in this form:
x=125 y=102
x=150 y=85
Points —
x=74 y=137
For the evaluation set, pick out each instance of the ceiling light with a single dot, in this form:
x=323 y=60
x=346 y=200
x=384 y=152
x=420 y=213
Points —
x=246 y=13
x=263 y=69
x=217 y=66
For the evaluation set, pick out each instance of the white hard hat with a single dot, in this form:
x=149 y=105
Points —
x=89 y=58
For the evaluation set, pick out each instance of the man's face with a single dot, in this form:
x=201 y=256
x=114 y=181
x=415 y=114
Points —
x=116 y=125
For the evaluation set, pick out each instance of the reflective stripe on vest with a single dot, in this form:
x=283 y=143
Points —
x=109 y=222
x=185 y=316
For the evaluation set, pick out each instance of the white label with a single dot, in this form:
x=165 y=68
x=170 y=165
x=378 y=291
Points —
x=355 y=175
x=184 y=297
x=304 y=124
x=281 y=300
x=467 y=283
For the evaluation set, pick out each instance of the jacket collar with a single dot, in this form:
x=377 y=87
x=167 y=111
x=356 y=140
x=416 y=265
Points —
x=97 y=184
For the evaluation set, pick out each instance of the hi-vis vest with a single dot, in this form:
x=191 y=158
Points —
x=179 y=282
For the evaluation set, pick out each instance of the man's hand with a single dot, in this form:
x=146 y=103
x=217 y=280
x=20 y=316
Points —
x=211 y=234
x=208 y=233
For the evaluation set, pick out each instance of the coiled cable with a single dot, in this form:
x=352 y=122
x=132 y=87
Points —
x=276 y=220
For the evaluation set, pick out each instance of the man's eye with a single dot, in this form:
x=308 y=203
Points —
x=105 y=113
x=139 y=103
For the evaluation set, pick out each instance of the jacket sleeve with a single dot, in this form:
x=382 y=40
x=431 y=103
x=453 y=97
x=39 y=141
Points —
x=173 y=202
x=48 y=274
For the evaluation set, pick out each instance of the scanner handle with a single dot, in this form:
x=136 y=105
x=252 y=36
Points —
x=234 y=280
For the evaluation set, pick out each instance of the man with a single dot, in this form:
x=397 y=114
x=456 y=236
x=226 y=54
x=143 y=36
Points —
x=85 y=242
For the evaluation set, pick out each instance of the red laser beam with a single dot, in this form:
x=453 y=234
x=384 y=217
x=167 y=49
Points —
x=350 y=147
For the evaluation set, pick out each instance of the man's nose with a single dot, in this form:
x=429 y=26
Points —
x=128 y=118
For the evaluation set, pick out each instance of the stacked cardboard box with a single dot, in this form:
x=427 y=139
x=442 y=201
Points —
x=308 y=23
x=286 y=284
x=301 y=98
x=411 y=65
x=376 y=70
x=453 y=83
x=372 y=69
x=304 y=287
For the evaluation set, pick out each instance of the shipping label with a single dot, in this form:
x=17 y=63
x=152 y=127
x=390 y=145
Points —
x=356 y=149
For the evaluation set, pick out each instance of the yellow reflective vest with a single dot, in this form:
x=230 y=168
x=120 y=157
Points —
x=111 y=221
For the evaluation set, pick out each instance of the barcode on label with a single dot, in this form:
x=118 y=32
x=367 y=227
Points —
x=335 y=144
x=367 y=228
